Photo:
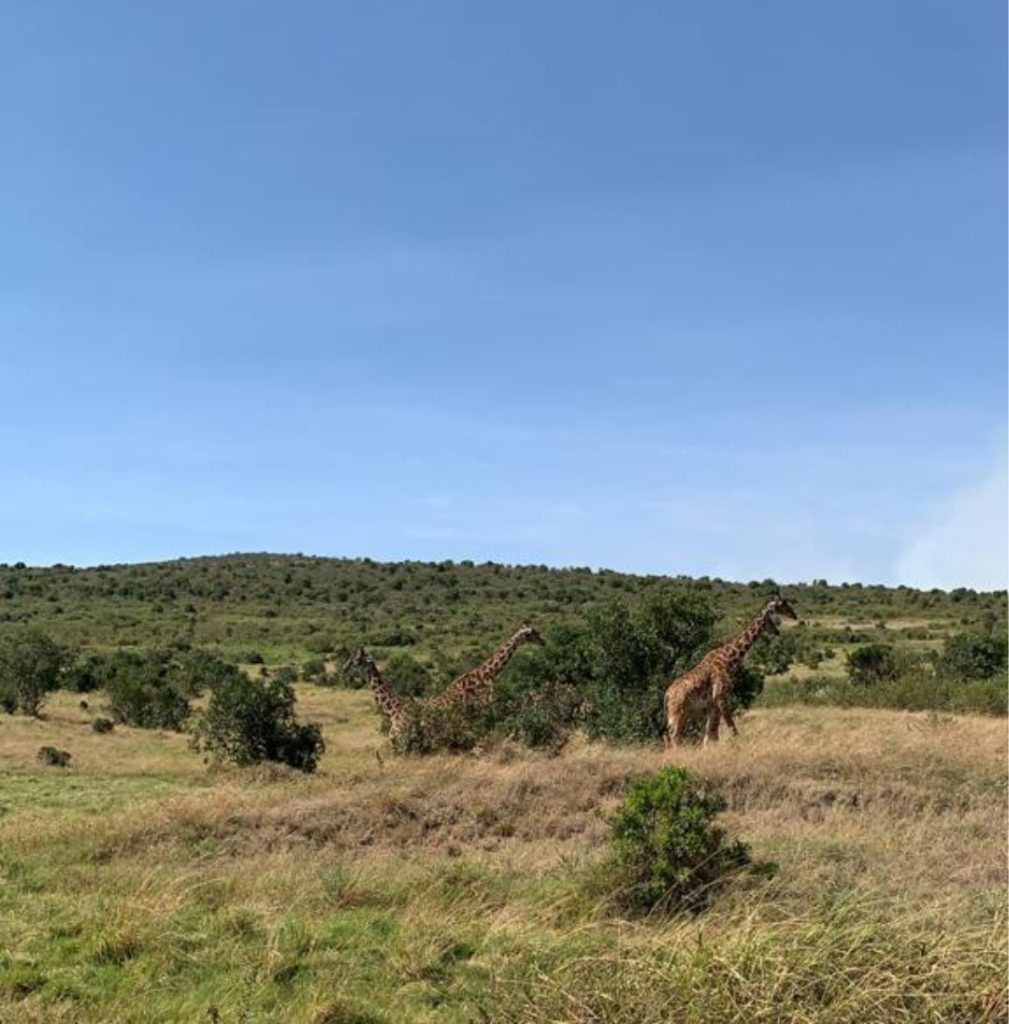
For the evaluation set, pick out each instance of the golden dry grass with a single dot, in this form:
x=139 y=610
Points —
x=138 y=886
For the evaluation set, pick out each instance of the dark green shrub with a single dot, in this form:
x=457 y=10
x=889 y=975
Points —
x=285 y=675
x=875 y=663
x=397 y=637
x=972 y=656
x=634 y=650
x=57 y=758
x=667 y=855
x=31 y=665
x=772 y=655
x=406 y=675
x=252 y=720
x=912 y=691
x=83 y=676
x=540 y=699
x=544 y=717
x=102 y=724
x=313 y=671
x=147 y=705
x=609 y=674
x=197 y=672
x=151 y=689
x=440 y=730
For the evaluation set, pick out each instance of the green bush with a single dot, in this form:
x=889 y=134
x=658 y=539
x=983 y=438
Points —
x=31 y=665
x=82 y=677
x=972 y=656
x=406 y=675
x=917 y=691
x=429 y=730
x=609 y=674
x=57 y=758
x=667 y=855
x=635 y=649
x=102 y=724
x=314 y=671
x=147 y=705
x=252 y=720
x=151 y=689
x=143 y=689
x=198 y=671
x=873 y=664
x=285 y=675
x=772 y=655
x=543 y=717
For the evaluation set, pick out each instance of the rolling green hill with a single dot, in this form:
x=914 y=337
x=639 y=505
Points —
x=291 y=607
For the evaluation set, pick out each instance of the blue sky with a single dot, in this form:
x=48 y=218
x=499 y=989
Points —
x=689 y=288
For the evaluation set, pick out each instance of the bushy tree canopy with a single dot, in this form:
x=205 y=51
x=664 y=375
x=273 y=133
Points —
x=251 y=720
x=31 y=664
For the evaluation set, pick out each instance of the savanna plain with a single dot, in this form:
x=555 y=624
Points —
x=140 y=884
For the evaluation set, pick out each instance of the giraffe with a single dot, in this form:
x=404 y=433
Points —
x=708 y=685
x=389 y=703
x=476 y=687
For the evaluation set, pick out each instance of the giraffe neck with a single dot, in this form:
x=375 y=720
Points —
x=388 y=702
x=736 y=649
x=497 y=661
x=479 y=682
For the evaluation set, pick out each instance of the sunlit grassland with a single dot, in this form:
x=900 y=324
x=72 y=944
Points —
x=139 y=886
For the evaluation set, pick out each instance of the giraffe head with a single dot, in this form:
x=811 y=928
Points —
x=359 y=659
x=779 y=606
x=527 y=634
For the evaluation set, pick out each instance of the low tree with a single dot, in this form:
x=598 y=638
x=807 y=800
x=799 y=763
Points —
x=144 y=689
x=634 y=651
x=609 y=674
x=406 y=675
x=972 y=656
x=252 y=720
x=874 y=663
x=31 y=665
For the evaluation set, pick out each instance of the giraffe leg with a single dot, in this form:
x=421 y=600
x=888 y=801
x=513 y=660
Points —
x=675 y=722
x=711 y=725
x=726 y=713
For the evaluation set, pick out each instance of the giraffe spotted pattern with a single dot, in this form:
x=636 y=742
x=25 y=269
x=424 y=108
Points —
x=707 y=688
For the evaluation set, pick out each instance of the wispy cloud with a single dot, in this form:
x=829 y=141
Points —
x=964 y=544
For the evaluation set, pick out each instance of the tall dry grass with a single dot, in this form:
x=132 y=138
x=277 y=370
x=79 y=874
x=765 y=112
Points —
x=137 y=886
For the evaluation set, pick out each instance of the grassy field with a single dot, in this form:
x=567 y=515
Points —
x=138 y=886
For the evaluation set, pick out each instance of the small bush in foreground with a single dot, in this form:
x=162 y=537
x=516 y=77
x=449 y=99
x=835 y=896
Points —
x=50 y=755
x=252 y=720
x=102 y=725
x=667 y=854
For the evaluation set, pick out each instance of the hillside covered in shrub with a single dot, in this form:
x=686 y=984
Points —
x=283 y=608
